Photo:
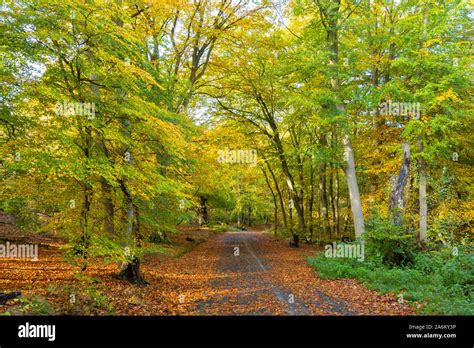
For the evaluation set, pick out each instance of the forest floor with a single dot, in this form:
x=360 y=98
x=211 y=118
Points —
x=231 y=273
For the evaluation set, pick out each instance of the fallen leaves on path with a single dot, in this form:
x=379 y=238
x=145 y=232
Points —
x=267 y=278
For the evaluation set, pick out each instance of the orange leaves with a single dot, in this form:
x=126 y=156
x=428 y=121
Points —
x=267 y=278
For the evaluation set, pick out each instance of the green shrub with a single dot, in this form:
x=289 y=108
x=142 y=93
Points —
x=282 y=232
x=391 y=243
x=220 y=228
x=25 y=219
x=442 y=281
x=35 y=305
x=81 y=300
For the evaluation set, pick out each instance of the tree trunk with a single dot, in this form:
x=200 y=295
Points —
x=203 y=218
x=297 y=199
x=337 y=227
x=331 y=23
x=250 y=214
x=279 y=193
x=86 y=204
x=323 y=199
x=395 y=202
x=422 y=164
x=331 y=193
x=275 y=203
x=85 y=225
x=353 y=187
x=311 y=205
x=107 y=201
x=422 y=194
x=131 y=272
x=275 y=218
x=108 y=206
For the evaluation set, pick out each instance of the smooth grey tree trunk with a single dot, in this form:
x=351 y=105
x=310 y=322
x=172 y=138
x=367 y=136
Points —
x=331 y=17
x=422 y=194
x=353 y=187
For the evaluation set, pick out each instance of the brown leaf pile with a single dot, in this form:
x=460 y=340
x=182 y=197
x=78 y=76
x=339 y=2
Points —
x=265 y=277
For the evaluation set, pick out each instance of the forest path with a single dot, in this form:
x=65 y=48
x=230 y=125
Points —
x=249 y=282
x=232 y=273
x=252 y=273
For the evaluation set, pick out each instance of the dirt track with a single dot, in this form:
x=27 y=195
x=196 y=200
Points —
x=265 y=277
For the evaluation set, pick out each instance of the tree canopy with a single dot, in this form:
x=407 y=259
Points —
x=122 y=120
